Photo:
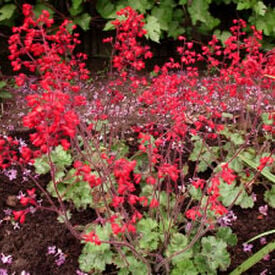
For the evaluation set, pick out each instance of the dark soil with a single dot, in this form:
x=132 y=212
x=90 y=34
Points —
x=28 y=245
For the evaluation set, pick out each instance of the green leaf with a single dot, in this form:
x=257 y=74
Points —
x=199 y=12
x=196 y=193
x=83 y=21
x=41 y=165
x=175 y=29
x=269 y=196
x=177 y=243
x=3 y=84
x=5 y=94
x=109 y=26
x=244 y=5
x=105 y=8
x=198 y=148
x=260 y=8
x=141 y=5
x=265 y=23
x=223 y=36
x=76 y=7
x=164 y=15
x=96 y=257
x=225 y=234
x=182 y=2
x=185 y=267
x=266 y=119
x=236 y=165
x=153 y=28
x=39 y=7
x=7 y=11
x=148 y=228
x=246 y=201
x=214 y=250
x=135 y=267
x=60 y=157
x=229 y=192
x=120 y=149
x=236 y=138
x=201 y=264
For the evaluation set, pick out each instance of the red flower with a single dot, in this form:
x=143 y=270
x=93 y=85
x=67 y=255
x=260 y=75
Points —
x=92 y=238
x=154 y=203
x=20 y=215
x=168 y=170
x=193 y=213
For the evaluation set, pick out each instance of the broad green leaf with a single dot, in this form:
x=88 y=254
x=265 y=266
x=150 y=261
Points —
x=148 y=230
x=198 y=148
x=215 y=252
x=5 y=94
x=223 y=36
x=76 y=8
x=269 y=196
x=199 y=12
x=201 y=264
x=225 y=234
x=244 y=5
x=229 y=192
x=236 y=138
x=153 y=28
x=96 y=256
x=83 y=21
x=3 y=84
x=105 y=8
x=174 y=29
x=39 y=7
x=246 y=201
x=109 y=26
x=266 y=119
x=135 y=267
x=164 y=15
x=141 y=5
x=60 y=157
x=177 y=243
x=183 y=2
x=196 y=193
x=41 y=165
x=120 y=149
x=265 y=23
x=7 y=11
x=184 y=267
x=260 y=8
x=236 y=165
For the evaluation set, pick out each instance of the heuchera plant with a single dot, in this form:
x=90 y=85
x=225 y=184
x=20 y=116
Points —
x=160 y=159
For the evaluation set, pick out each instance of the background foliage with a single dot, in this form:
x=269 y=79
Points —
x=164 y=18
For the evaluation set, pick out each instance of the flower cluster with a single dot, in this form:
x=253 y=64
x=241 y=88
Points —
x=129 y=53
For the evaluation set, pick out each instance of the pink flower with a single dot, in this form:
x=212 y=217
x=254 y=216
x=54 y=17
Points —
x=247 y=247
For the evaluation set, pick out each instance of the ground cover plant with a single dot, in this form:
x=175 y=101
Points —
x=160 y=159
